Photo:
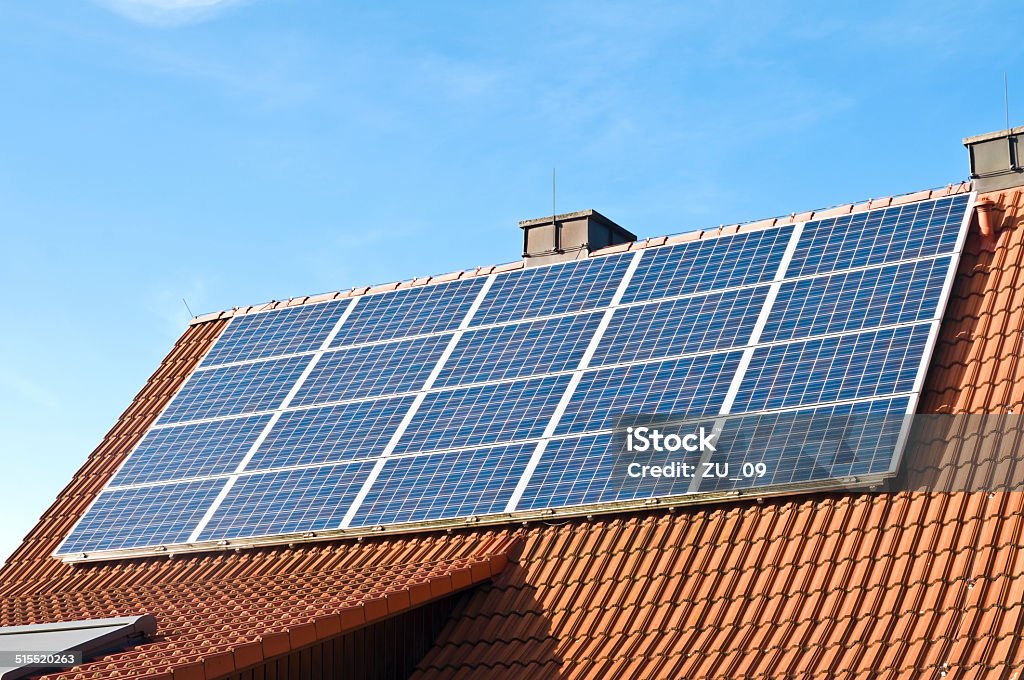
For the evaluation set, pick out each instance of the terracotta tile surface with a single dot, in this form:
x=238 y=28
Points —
x=905 y=584
x=228 y=623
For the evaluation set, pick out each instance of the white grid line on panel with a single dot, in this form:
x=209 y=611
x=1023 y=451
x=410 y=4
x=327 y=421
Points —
x=762 y=319
x=577 y=376
x=208 y=515
x=755 y=337
x=417 y=402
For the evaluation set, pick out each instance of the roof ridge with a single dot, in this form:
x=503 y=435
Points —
x=650 y=242
x=282 y=579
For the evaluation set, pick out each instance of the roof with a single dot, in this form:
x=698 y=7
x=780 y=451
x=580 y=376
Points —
x=826 y=585
x=86 y=638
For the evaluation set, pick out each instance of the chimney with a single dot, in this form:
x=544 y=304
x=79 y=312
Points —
x=996 y=159
x=571 y=236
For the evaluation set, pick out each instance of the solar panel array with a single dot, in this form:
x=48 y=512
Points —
x=504 y=393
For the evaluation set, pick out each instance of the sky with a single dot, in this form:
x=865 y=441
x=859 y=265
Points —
x=228 y=152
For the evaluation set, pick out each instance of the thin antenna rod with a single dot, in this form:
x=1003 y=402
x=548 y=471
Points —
x=553 y=211
x=1006 y=100
x=557 y=233
x=190 y=314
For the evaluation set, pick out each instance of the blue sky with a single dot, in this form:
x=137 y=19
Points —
x=234 y=152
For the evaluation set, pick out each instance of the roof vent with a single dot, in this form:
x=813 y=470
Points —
x=996 y=159
x=67 y=643
x=571 y=236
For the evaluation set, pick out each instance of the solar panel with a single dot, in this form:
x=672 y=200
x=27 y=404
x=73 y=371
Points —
x=693 y=384
x=833 y=368
x=520 y=349
x=191 y=450
x=403 y=313
x=542 y=291
x=848 y=301
x=803 y=345
x=846 y=440
x=687 y=325
x=275 y=333
x=575 y=471
x=483 y=414
x=444 y=485
x=286 y=501
x=371 y=370
x=142 y=516
x=697 y=266
x=903 y=232
x=234 y=390
x=330 y=433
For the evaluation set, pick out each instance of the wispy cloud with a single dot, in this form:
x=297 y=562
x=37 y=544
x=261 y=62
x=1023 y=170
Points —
x=275 y=78
x=168 y=13
x=274 y=71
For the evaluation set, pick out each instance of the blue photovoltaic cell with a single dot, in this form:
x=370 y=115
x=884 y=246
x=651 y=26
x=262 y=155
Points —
x=686 y=386
x=444 y=485
x=861 y=365
x=145 y=516
x=282 y=331
x=233 y=390
x=195 y=450
x=865 y=298
x=371 y=370
x=412 y=311
x=708 y=264
x=287 y=501
x=574 y=286
x=518 y=350
x=331 y=433
x=810 y=445
x=681 y=326
x=879 y=236
x=484 y=414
